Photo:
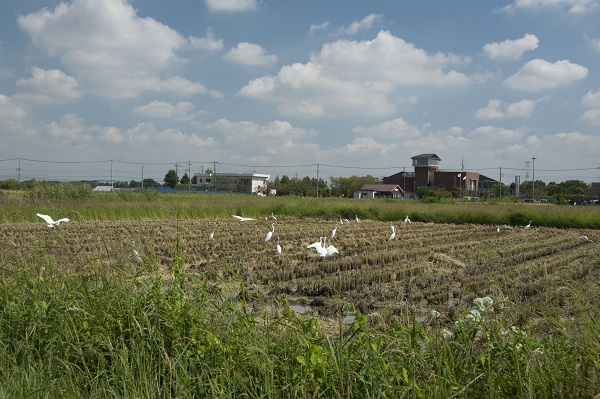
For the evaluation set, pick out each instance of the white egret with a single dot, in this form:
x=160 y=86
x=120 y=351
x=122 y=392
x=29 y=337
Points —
x=393 y=235
x=50 y=222
x=316 y=244
x=346 y=221
x=407 y=220
x=212 y=234
x=242 y=219
x=528 y=226
x=278 y=247
x=273 y=216
x=341 y=221
x=498 y=229
x=333 y=232
x=585 y=238
x=135 y=256
x=357 y=219
x=328 y=250
x=270 y=233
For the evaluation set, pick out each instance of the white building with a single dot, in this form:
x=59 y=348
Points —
x=236 y=182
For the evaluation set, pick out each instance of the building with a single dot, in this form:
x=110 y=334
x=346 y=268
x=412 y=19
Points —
x=594 y=190
x=234 y=182
x=427 y=173
x=379 y=191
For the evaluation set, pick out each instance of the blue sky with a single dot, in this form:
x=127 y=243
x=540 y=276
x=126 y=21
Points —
x=279 y=86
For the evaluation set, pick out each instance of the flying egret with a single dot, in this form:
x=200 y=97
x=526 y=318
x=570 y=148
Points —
x=273 y=216
x=393 y=235
x=407 y=220
x=318 y=246
x=242 y=219
x=333 y=232
x=270 y=233
x=278 y=247
x=50 y=222
x=585 y=238
x=328 y=250
x=528 y=226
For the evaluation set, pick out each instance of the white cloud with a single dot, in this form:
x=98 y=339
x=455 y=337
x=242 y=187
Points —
x=354 y=77
x=492 y=134
x=572 y=6
x=111 y=134
x=591 y=99
x=185 y=87
x=48 y=87
x=105 y=45
x=243 y=131
x=317 y=27
x=70 y=127
x=231 y=5
x=174 y=136
x=497 y=109
x=394 y=130
x=162 y=109
x=540 y=74
x=250 y=54
x=10 y=110
x=206 y=43
x=592 y=116
x=510 y=50
x=356 y=26
x=579 y=145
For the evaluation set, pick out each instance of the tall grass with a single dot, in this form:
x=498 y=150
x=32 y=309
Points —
x=122 y=332
x=145 y=204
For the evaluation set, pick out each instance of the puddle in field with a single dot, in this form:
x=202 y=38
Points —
x=425 y=315
x=300 y=309
x=349 y=318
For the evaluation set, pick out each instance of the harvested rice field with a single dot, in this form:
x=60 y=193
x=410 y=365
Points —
x=427 y=266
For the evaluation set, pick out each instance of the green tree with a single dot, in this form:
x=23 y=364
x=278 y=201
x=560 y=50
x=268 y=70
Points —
x=346 y=186
x=185 y=179
x=148 y=183
x=171 y=178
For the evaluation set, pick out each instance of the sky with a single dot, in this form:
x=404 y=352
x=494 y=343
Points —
x=128 y=89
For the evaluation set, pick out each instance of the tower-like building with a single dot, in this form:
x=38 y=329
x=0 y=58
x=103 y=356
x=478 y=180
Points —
x=426 y=165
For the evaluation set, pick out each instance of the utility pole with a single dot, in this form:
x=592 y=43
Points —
x=317 y=180
x=533 y=185
x=214 y=176
x=189 y=174
x=111 y=175
x=404 y=181
x=19 y=170
x=501 y=181
x=142 y=176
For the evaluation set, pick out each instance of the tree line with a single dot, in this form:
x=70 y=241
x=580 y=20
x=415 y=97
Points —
x=569 y=191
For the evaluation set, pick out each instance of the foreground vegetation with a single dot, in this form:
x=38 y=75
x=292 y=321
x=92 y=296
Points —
x=116 y=334
x=449 y=310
